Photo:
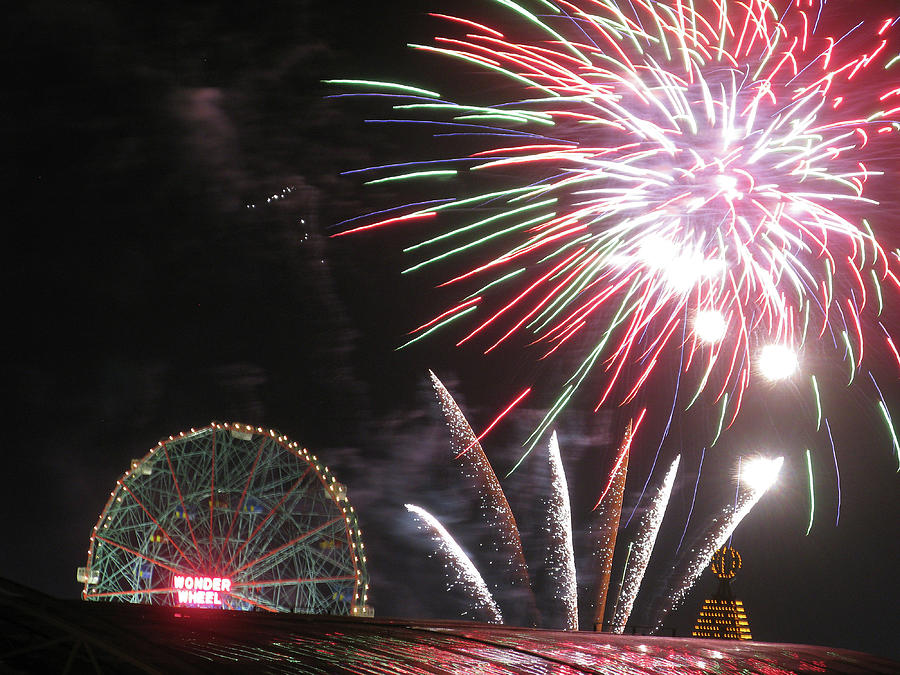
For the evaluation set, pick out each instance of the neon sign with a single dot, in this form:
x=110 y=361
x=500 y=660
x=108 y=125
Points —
x=200 y=590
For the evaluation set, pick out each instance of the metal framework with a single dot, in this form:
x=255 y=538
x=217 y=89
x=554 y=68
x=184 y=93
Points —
x=242 y=507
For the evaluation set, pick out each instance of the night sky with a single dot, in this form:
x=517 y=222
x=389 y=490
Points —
x=172 y=174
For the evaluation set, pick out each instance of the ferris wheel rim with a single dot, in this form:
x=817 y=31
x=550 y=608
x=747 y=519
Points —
x=345 y=521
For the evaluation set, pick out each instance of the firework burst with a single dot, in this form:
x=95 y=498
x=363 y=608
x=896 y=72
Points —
x=691 y=176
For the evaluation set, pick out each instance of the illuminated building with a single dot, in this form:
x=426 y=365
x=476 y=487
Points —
x=723 y=616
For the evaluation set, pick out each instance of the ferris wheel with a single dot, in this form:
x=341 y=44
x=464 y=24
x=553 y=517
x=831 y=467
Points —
x=229 y=516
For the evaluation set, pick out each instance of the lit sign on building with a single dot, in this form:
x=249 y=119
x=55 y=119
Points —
x=200 y=590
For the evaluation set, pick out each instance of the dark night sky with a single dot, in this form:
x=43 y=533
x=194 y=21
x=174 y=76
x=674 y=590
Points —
x=152 y=285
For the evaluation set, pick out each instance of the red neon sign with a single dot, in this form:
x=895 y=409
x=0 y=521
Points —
x=200 y=590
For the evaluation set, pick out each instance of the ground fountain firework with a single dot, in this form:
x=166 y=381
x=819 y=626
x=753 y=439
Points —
x=757 y=475
x=606 y=527
x=559 y=558
x=643 y=549
x=505 y=543
x=493 y=506
x=459 y=567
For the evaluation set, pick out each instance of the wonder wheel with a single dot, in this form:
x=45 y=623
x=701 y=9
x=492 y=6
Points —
x=229 y=516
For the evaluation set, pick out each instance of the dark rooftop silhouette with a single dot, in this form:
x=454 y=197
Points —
x=42 y=634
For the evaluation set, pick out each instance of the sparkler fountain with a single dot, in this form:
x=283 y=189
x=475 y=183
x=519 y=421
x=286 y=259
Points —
x=757 y=476
x=559 y=559
x=607 y=526
x=649 y=529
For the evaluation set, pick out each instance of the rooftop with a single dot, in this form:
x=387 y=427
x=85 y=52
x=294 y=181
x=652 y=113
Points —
x=43 y=634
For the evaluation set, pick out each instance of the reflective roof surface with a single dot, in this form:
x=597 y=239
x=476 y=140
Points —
x=41 y=634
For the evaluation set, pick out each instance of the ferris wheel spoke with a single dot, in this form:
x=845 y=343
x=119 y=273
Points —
x=160 y=528
x=325 y=563
x=272 y=512
x=331 y=563
x=285 y=558
x=286 y=562
x=117 y=572
x=240 y=503
x=292 y=542
x=184 y=508
x=287 y=582
x=289 y=522
x=130 y=592
x=154 y=561
x=273 y=535
x=293 y=515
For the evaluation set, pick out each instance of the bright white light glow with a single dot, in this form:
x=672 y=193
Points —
x=683 y=267
x=728 y=185
x=778 y=362
x=760 y=473
x=658 y=252
x=710 y=325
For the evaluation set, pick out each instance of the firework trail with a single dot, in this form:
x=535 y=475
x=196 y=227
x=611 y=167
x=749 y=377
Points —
x=693 y=501
x=460 y=570
x=607 y=525
x=837 y=473
x=624 y=573
x=643 y=547
x=492 y=503
x=882 y=406
x=812 y=492
x=560 y=556
x=757 y=476
x=679 y=168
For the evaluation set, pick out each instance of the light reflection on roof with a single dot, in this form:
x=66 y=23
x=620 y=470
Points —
x=129 y=638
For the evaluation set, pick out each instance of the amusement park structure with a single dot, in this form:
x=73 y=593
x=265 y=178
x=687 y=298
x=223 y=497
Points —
x=229 y=516
x=723 y=616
